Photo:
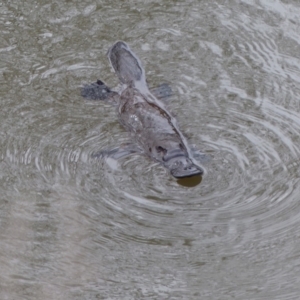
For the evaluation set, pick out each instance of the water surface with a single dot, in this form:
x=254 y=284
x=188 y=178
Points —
x=72 y=227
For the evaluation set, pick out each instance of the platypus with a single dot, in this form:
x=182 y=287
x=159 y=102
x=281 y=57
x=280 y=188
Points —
x=153 y=129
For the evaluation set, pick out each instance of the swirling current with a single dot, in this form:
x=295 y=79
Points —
x=77 y=227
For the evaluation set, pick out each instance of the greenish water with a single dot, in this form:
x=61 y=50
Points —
x=72 y=227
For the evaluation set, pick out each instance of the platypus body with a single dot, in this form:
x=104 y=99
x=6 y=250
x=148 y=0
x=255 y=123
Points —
x=152 y=127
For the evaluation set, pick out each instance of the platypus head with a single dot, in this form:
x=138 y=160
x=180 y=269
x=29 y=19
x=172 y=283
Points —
x=181 y=166
x=178 y=163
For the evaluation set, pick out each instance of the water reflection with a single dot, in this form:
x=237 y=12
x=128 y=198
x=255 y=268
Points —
x=75 y=227
x=190 y=181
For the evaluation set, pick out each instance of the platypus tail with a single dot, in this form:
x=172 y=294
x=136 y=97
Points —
x=126 y=64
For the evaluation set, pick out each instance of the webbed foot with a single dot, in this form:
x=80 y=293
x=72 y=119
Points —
x=118 y=152
x=162 y=91
x=100 y=91
x=97 y=91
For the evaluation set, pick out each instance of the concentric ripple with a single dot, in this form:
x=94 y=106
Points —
x=80 y=227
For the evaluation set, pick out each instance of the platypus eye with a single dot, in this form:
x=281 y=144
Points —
x=160 y=149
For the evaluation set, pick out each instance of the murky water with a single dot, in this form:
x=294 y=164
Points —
x=72 y=227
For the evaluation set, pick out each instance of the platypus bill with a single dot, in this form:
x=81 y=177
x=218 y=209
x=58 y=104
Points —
x=151 y=126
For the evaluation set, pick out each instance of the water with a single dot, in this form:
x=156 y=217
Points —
x=72 y=227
